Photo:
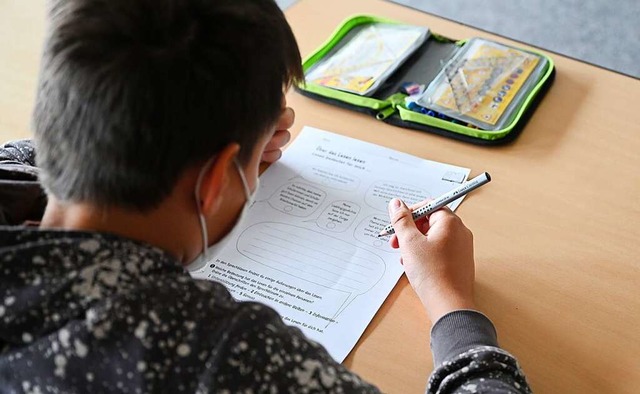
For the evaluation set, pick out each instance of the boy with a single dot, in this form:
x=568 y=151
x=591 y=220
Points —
x=150 y=123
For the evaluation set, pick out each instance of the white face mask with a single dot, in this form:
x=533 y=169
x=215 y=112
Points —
x=213 y=250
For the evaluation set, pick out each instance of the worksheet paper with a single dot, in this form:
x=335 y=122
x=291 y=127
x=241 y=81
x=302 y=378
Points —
x=309 y=246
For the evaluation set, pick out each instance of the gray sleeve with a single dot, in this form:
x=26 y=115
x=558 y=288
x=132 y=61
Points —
x=459 y=331
x=467 y=357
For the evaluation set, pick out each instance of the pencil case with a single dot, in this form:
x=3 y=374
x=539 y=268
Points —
x=433 y=62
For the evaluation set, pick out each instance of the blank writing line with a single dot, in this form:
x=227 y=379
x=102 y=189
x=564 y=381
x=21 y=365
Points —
x=341 y=267
x=322 y=245
x=313 y=266
x=332 y=286
x=279 y=262
x=283 y=231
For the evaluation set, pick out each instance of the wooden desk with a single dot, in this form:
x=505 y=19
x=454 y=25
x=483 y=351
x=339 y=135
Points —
x=557 y=236
x=556 y=233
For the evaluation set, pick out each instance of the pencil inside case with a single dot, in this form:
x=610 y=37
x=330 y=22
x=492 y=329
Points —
x=387 y=103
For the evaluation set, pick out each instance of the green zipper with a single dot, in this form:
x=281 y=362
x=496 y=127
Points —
x=395 y=100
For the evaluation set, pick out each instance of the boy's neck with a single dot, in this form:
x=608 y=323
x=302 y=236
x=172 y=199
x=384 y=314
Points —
x=162 y=227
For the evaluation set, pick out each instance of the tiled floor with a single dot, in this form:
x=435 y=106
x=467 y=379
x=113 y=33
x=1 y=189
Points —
x=601 y=32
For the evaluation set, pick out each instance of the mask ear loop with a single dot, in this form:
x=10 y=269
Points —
x=203 y=224
x=247 y=191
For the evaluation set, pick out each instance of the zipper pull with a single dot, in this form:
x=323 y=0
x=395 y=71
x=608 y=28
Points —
x=394 y=100
x=385 y=113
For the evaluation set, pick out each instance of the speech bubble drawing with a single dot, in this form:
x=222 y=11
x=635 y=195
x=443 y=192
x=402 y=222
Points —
x=327 y=177
x=297 y=199
x=338 y=216
x=379 y=194
x=368 y=229
x=313 y=257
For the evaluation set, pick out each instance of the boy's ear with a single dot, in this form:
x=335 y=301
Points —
x=217 y=177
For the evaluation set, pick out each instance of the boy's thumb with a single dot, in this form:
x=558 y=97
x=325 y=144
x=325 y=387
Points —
x=402 y=220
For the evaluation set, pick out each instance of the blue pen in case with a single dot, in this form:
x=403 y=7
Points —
x=413 y=106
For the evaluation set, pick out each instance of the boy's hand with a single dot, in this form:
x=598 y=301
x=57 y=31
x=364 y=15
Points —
x=437 y=253
x=273 y=150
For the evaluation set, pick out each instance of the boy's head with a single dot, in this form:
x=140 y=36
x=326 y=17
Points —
x=134 y=92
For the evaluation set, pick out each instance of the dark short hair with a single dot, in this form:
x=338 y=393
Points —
x=134 y=92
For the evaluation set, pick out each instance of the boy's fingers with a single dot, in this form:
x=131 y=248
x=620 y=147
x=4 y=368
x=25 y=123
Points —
x=271 y=156
x=279 y=139
x=442 y=212
x=420 y=204
x=402 y=221
x=287 y=117
x=423 y=224
x=442 y=215
x=393 y=241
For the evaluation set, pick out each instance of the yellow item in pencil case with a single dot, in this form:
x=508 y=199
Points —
x=366 y=60
x=483 y=83
x=353 y=83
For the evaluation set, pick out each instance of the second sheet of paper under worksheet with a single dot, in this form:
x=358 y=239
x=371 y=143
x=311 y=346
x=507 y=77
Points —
x=309 y=246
